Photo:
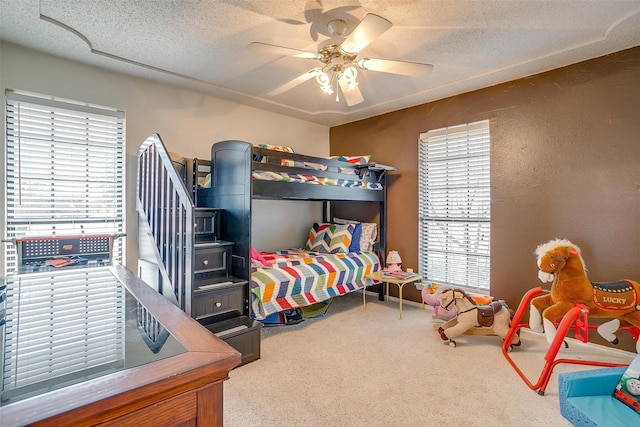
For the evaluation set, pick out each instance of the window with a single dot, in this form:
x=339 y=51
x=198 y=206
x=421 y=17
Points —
x=64 y=170
x=64 y=177
x=454 y=206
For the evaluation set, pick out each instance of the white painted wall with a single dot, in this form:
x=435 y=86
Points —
x=188 y=122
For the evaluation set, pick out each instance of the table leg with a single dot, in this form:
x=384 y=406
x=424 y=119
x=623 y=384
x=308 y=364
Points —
x=364 y=297
x=400 y=286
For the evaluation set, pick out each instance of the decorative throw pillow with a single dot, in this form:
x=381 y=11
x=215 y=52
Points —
x=355 y=238
x=281 y=148
x=628 y=389
x=330 y=238
x=354 y=160
x=368 y=234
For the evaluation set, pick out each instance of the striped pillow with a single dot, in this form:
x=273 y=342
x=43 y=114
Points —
x=330 y=238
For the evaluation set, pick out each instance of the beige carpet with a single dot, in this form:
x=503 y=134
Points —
x=365 y=367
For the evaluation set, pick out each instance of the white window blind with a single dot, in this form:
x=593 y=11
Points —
x=64 y=170
x=454 y=206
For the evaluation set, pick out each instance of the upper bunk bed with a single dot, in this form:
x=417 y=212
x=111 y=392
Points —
x=278 y=173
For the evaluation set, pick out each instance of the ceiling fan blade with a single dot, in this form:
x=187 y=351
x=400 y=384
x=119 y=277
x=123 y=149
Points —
x=352 y=95
x=414 y=69
x=370 y=28
x=293 y=83
x=280 y=50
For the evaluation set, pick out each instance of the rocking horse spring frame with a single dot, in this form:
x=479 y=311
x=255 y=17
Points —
x=568 y=320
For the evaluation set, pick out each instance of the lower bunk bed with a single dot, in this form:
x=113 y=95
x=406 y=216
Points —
x=295 y=278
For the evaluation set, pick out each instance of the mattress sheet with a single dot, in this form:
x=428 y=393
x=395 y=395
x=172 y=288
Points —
x=299 y=278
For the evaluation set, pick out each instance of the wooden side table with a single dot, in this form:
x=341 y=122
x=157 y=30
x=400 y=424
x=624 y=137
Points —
x=377 y=276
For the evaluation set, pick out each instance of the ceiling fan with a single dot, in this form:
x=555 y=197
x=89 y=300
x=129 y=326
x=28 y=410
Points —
x=339 y=59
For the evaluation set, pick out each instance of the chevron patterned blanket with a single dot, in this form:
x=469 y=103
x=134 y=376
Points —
x=299 y=278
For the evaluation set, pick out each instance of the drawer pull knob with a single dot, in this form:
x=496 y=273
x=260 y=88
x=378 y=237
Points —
x=218 y=304
x=205 y=262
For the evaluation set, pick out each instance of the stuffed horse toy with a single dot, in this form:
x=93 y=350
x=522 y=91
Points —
x=470 y=315
x=560 y=263
x=431 y=296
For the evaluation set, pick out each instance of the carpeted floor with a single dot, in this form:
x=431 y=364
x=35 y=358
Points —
x=364 y=367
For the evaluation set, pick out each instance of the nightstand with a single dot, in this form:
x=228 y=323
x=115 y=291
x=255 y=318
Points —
x=400 y=282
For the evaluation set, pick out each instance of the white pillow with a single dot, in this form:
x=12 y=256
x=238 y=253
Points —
x=369 y=232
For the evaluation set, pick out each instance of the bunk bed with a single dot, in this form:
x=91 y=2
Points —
x=239 y=172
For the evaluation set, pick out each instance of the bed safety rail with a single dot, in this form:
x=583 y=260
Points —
x=166 y=210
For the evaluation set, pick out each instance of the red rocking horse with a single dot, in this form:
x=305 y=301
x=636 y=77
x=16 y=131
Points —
x=560 y=262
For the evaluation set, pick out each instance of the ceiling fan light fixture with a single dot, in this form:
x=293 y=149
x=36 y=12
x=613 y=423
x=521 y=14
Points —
x=324 y=80
x=350 y=75
x=332 y=73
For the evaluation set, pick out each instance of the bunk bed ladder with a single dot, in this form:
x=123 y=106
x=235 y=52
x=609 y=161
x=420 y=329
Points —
x=166 y=217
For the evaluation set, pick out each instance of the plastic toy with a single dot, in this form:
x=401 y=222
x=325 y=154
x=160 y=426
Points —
x=431 y=296
x=470 y=315
x=560 y=263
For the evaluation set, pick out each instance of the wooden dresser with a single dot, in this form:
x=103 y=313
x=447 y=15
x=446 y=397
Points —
x=184 y=388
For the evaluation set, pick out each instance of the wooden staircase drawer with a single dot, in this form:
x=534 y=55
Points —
x=219 y=301
x=207 y=221
x=212 y=257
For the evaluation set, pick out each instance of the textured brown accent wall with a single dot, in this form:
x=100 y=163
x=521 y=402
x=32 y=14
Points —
x=565 y=163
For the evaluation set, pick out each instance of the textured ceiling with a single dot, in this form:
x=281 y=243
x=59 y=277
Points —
x=202 y=45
